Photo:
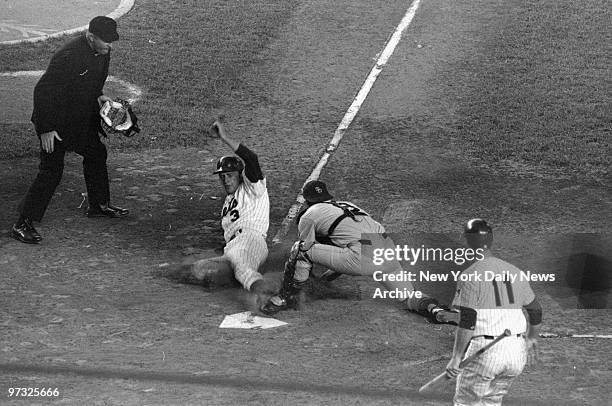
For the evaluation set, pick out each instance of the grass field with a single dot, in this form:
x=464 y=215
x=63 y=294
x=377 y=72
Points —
x=541 y=98
x=188 y=55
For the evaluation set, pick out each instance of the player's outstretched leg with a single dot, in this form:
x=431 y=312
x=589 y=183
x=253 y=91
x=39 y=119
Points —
x=208 y=272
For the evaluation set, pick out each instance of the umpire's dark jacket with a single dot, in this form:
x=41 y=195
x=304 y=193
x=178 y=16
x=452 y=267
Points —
x=65 y=97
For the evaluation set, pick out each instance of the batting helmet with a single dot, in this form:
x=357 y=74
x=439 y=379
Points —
x=229 y=163
x=478 y=233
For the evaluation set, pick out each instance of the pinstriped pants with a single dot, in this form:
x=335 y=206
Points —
x=247 y=252
x=486 y=380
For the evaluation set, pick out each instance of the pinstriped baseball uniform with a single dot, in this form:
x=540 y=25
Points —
x=245 y=218
x=498 y=304
x=248 y=208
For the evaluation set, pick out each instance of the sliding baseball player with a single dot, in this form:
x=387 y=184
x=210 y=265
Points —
x=245 y=220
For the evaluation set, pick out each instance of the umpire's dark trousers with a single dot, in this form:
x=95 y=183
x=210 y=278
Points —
x=50 y=170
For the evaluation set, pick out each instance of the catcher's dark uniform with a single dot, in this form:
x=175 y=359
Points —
x=65 y=100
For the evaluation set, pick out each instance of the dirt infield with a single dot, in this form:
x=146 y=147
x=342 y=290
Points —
x=88 y=312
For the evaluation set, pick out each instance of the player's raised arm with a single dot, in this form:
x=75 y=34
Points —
x=218 y=129
x=252 y=170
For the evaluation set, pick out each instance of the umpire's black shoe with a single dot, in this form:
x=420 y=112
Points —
x=25 y=232
x=102 y=211
x=120 y=210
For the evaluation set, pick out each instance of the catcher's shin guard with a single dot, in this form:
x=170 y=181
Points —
x=288 y=297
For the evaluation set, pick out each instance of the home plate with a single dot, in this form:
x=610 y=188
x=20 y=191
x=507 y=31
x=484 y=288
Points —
x=249 y=320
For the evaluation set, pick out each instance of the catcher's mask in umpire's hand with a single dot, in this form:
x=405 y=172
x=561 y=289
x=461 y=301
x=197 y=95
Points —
x=229 y=163
x=117 y=117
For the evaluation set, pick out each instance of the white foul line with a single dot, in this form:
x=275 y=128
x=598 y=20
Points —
x=135 y=91
x=349 y=116
x=122 y=8
x=566 y=335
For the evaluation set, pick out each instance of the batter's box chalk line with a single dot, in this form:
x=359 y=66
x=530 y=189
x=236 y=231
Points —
x=135 y=91
x=570 y=335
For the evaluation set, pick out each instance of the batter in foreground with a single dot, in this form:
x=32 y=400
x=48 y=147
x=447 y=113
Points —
x=486 y=309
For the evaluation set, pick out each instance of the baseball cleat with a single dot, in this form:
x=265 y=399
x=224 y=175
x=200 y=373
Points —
x=445 y=316
x=276 y=304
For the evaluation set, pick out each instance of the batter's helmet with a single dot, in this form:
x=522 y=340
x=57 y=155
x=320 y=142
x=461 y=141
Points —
x=229 y=163
x=478 y=233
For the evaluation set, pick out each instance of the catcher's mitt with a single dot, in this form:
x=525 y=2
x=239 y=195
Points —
x=118 y=118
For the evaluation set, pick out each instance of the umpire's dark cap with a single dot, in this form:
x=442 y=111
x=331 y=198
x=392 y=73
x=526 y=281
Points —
x=104 y=28
x=315 y=191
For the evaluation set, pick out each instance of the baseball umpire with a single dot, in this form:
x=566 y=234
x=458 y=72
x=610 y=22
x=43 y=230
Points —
x=245 y=220
x=487 y=308
x=331 y=234
x=67 y=100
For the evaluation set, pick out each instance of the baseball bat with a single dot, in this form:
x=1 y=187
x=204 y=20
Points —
x=442 y=379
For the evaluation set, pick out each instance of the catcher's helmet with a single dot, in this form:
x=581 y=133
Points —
x=478 y=233
x=229 y=163
x=315 y=191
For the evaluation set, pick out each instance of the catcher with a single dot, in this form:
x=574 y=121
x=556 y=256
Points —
x=245 y=220
x=331 y=234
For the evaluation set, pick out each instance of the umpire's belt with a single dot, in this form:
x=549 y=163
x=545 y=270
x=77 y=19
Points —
x=235 y=234
x=369 y=242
